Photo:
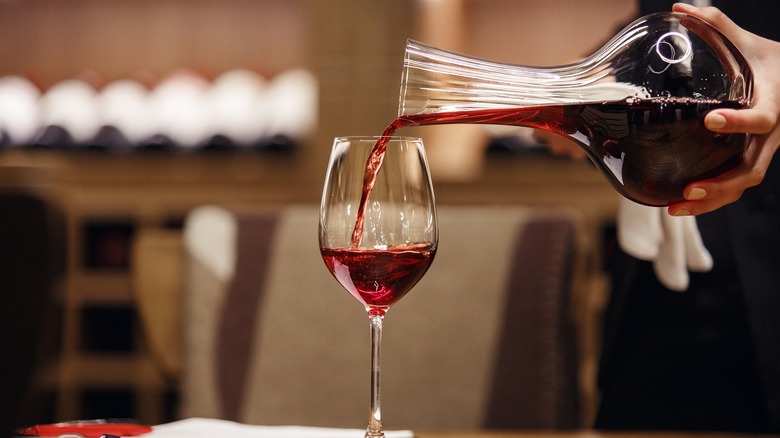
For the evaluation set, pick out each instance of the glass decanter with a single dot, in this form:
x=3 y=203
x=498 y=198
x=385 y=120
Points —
x=636 y=106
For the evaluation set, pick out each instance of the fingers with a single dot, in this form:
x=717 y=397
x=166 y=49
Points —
x=712 y=15
x=751 y=121
x=691 y=209
x=708 y=195
x=712 y=201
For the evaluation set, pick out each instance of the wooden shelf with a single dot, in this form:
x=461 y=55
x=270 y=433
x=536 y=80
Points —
x=109 y=371
x=102 y=288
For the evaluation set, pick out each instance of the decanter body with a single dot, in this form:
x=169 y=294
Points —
x=636 y=106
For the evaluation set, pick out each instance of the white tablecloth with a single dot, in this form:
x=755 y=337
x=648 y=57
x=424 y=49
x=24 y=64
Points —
x=211 y=428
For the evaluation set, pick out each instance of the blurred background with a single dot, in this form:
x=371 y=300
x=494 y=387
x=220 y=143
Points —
x=126 y=115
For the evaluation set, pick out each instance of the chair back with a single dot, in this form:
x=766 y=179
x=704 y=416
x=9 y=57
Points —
x=483 y=341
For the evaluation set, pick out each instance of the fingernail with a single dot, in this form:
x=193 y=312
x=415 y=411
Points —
x=681 y=212
x=715 y=121
x=696 y=193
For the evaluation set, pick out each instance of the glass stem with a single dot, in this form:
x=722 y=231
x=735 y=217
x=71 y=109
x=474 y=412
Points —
x=375 y=420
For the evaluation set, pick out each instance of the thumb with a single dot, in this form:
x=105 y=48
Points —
x=716 y=18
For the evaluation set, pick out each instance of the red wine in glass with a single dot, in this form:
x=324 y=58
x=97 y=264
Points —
x=378 y=278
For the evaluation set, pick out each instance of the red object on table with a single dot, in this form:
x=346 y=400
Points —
x=87 y=429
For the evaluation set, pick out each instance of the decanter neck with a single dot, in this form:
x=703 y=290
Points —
x=436 y=80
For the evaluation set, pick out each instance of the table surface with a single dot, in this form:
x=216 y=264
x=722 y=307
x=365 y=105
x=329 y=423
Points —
x=578 y=434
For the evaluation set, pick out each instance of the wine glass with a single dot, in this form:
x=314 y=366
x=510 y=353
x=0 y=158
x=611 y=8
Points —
x=378 y=230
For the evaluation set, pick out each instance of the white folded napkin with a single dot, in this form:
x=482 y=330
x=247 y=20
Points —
x=672 y=243
x=213 y=428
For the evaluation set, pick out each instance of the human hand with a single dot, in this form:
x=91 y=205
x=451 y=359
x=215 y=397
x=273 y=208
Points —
x=761 y=120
